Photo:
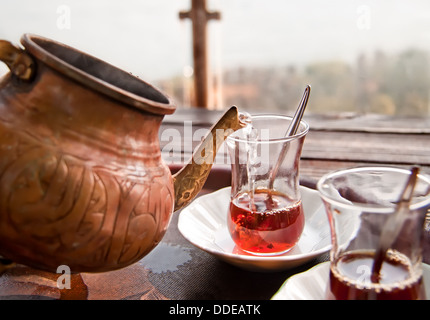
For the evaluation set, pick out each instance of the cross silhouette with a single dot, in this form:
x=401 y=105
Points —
x=200 y=16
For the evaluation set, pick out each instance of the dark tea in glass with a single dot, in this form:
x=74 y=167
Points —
x=272 y=225
x=350 y=278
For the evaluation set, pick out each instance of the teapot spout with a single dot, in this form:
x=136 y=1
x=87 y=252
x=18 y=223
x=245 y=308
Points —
x=190 y=179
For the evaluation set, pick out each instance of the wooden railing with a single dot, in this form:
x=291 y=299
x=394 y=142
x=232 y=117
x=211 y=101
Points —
x=333 y=142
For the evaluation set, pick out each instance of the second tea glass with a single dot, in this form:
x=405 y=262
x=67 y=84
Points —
x=266 y=213
x=360 y=204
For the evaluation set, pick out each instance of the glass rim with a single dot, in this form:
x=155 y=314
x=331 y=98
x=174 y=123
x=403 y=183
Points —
x=371 y=207
x=298 y=135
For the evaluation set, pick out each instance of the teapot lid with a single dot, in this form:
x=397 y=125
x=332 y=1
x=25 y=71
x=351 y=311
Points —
x=98 y=75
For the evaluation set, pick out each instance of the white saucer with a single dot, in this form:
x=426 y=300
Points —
x=312 y=284
x=204 y=224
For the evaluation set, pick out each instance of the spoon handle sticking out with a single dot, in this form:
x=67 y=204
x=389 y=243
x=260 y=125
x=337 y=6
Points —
x=292 y=129
x=393 y=225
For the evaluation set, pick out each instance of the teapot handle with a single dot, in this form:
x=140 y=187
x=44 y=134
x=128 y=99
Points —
x=19 y=62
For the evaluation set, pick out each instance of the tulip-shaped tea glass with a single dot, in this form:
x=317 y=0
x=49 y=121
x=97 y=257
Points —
x=365 y=209
x=266 y=214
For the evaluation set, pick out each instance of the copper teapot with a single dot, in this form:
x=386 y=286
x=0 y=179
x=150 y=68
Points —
x=82 y=180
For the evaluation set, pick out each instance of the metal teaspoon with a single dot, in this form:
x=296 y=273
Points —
x=292 y=129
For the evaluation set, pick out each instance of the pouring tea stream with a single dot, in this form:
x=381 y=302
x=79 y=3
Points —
x=251 y=135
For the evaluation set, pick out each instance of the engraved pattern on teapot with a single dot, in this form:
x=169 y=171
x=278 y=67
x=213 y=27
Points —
x=63 y=204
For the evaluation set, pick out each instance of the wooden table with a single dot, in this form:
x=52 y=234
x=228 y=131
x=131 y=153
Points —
x=177 y=270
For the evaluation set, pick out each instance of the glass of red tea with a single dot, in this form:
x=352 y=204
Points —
x=361 y=204
x=265 y=215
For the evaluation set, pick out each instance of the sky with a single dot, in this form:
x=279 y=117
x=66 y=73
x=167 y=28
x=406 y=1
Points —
x=147 y=38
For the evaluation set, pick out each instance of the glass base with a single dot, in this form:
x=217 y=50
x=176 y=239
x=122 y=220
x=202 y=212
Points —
x=261 y=254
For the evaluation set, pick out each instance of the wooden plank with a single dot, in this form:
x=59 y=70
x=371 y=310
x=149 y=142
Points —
x=312 y=170
x=333 y=143
x=369 y=123
x=331 y=122
x=368 y=147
